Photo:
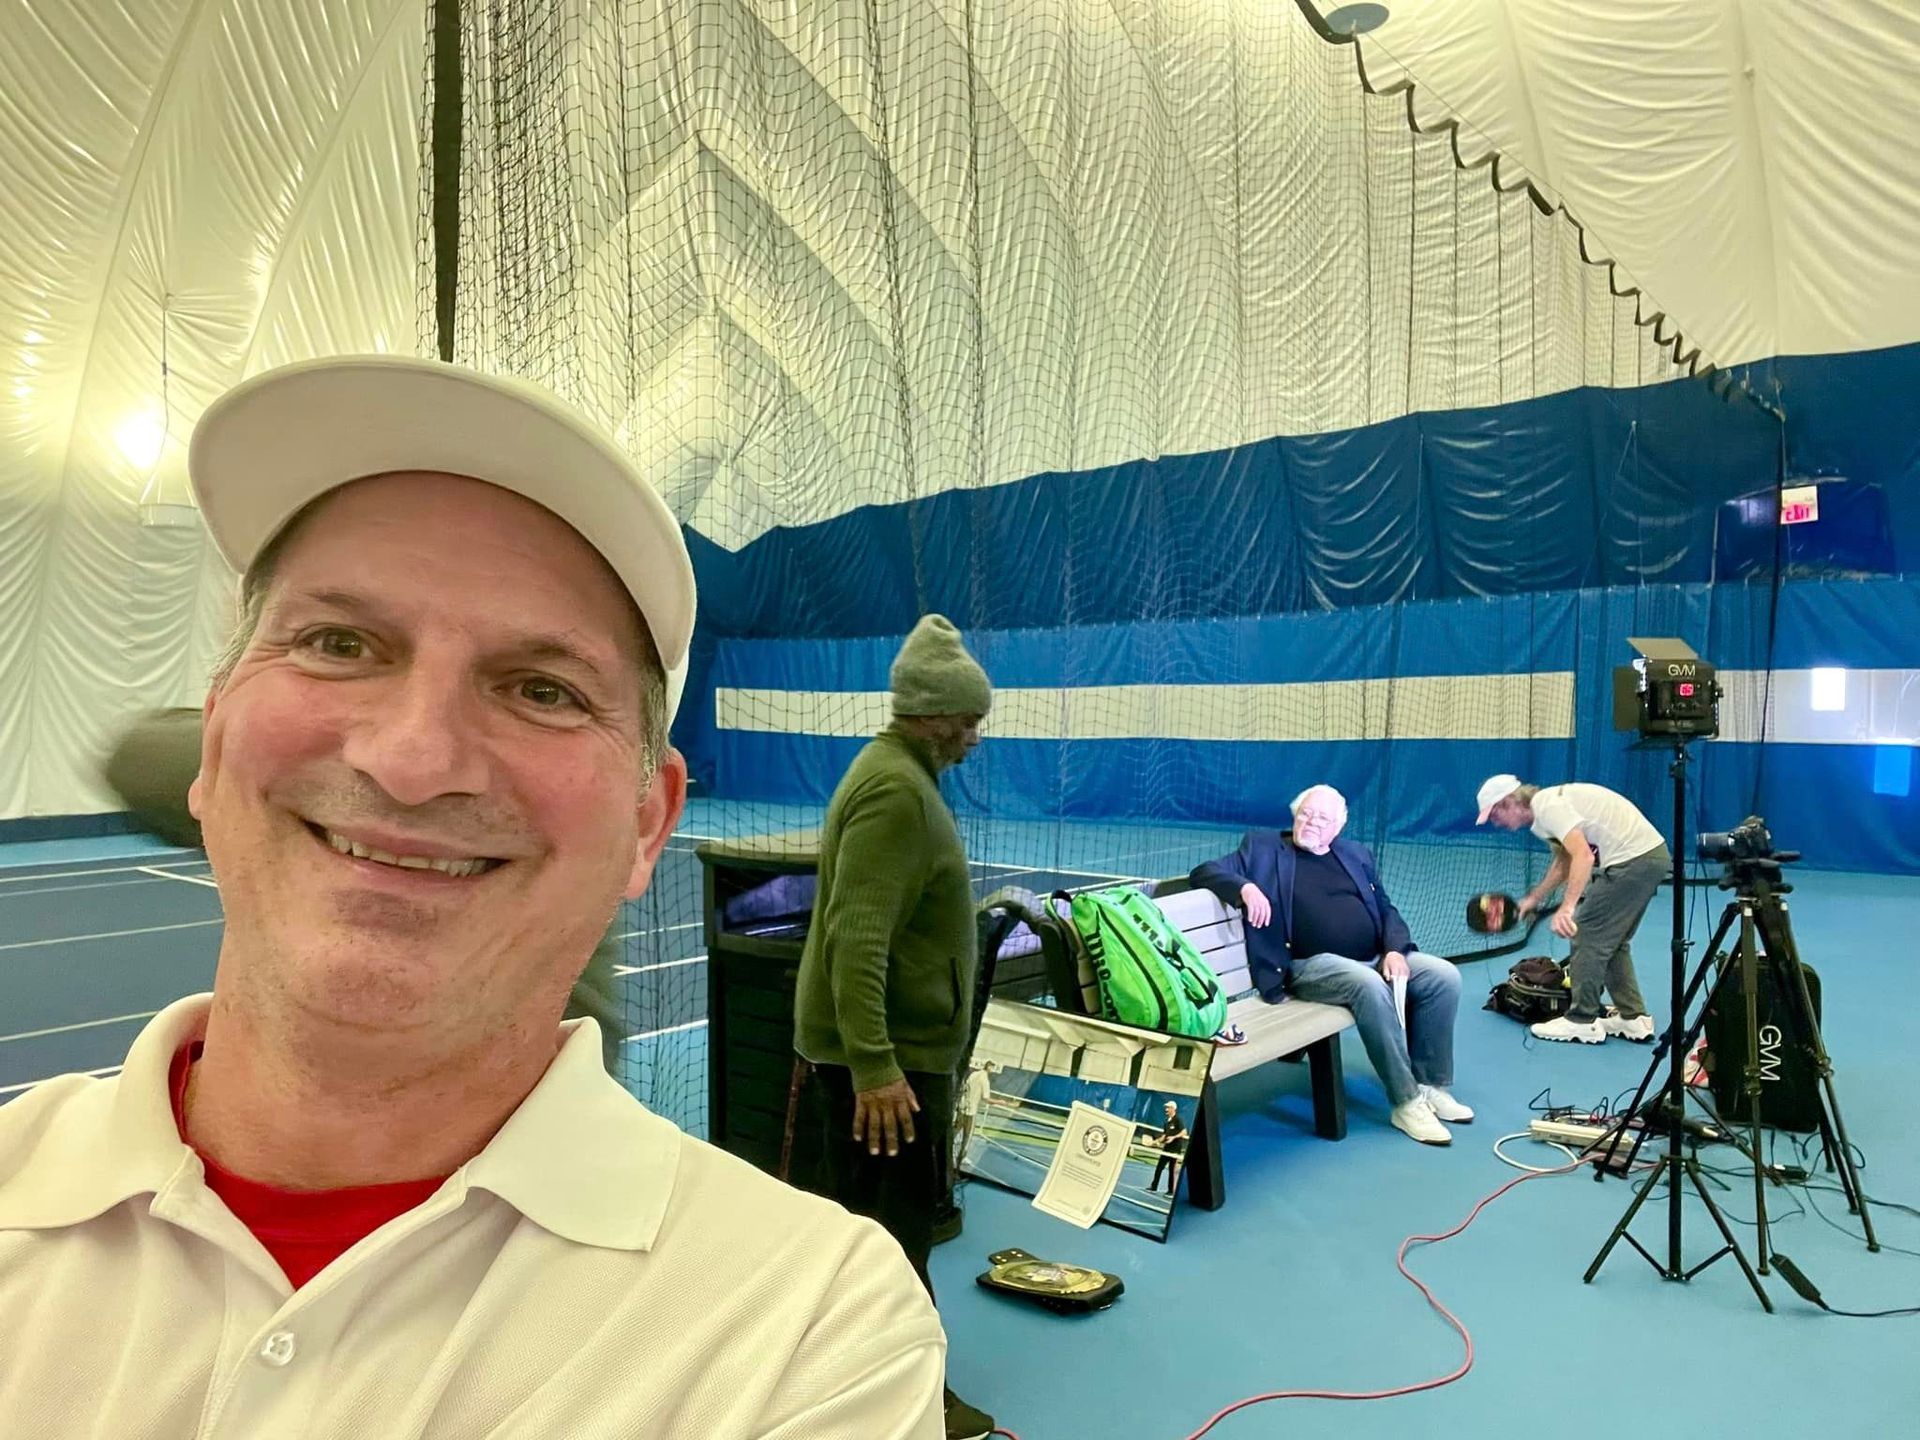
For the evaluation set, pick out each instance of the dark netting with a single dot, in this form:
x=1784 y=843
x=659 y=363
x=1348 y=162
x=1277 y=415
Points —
x=1253 y=439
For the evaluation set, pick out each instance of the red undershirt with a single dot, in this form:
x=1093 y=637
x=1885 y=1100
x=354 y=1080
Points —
x=303 y=1230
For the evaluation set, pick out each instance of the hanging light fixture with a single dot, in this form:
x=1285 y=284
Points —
x=1356 y=19
x=141 y=439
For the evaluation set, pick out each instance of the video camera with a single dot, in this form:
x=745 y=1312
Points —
x=1749 y=840
x=1745 y=850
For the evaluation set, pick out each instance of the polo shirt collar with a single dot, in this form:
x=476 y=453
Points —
x=91 y=1144
x=580 y=1157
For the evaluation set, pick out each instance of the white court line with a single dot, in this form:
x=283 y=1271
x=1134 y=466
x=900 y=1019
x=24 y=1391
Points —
x=663 y=930
x=666 y=1030
x=82 y=1025
x=1053 y=870
x=640 y=969
x=206 y=880
x=111 y=934
x=105 y=869
x=62 y=889
x=29 y=1084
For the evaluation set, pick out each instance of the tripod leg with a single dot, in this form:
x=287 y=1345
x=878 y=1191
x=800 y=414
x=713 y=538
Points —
x=1620 y=1228
x=1733 y=1245
x=1849 y=1175
x=1809 y=1026
x=1667 y=1039
x=1750 y=981
x=1830 y=1149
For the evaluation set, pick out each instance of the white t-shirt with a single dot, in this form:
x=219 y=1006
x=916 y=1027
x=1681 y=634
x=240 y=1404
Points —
x=592 y=1273
x=1612 y=823
x=977 y=1091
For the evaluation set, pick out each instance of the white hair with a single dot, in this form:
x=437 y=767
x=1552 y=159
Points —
x=1312 y=790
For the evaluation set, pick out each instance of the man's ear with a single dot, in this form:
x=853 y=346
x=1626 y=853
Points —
x=194 y=800
x=658 y=812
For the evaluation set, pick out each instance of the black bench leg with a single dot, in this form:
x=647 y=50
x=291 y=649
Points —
x=1329 y=1089
x=1206 y=1180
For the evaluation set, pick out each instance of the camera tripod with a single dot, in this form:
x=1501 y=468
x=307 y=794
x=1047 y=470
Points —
x=1765 y=929
x=1761 y=914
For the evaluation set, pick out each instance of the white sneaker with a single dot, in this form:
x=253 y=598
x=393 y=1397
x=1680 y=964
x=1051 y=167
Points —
x=1444 y=1106
x=1591 y=1032
x=1639 y=1028
x=1415 y=1118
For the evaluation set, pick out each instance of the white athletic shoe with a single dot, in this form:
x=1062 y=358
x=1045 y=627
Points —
x=1639 y=1028
x=1415 y=1118
x=1592 y=1032
x=1444 y=1106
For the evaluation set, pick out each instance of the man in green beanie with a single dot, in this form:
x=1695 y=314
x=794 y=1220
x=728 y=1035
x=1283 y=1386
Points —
x=157 y=758
x=885 y=1002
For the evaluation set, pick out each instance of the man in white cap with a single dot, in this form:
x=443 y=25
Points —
x=372 y=1184
x=1612 y=861
x=884 y=1008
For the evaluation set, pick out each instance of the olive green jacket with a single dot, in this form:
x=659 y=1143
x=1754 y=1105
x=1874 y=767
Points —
x=887 y=973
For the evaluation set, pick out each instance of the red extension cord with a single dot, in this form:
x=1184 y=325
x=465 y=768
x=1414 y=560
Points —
x=1458 y=1373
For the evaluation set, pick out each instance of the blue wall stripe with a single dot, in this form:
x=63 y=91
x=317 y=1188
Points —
x=1829 y=799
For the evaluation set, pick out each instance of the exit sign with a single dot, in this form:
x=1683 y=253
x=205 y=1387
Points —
x=1799 y=504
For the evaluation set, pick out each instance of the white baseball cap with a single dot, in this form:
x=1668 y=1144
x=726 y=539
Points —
x=1493 y=792
x=285 y=437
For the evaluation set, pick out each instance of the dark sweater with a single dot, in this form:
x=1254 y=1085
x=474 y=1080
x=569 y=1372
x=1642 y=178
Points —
x=887 y=974
x=1329 y=917
x=1266 y=858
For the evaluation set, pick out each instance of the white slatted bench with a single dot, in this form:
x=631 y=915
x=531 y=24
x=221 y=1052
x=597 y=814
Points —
x=1274 y=1032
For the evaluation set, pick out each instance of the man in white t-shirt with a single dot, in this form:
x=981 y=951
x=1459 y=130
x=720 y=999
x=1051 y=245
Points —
x=1612 y=860
x=975 y=1095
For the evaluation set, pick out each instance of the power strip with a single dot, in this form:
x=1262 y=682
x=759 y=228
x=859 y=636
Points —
x=1578 y=1132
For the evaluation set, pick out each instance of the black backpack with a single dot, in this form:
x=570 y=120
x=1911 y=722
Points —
x=1790 y=1096
x=1536 y=989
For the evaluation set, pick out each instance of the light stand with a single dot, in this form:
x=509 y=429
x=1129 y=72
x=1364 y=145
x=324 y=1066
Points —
x=1676 y=1163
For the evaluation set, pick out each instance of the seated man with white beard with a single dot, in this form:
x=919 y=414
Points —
x=1319 y=926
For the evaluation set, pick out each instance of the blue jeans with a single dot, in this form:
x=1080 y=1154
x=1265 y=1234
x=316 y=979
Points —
x=1424 y=1054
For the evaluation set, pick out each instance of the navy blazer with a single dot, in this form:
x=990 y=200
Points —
x=1266 y=858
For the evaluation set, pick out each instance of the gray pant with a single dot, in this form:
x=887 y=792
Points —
x=1404 y=1062
x=1609 y=912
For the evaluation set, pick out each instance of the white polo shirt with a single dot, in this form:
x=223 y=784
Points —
x=1612 y=823
x=593 y=1272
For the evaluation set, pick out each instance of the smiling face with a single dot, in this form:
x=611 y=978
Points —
x=423 y=786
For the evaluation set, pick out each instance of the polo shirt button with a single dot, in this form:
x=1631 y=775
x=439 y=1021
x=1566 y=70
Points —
x=279 y=1348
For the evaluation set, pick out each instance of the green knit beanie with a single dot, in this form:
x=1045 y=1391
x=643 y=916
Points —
x=934 y=675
